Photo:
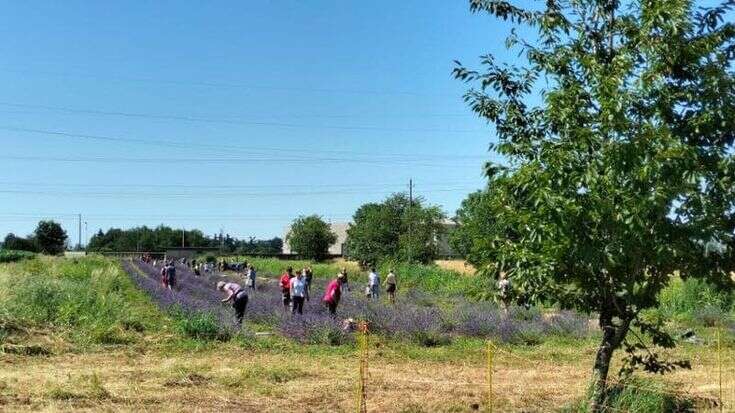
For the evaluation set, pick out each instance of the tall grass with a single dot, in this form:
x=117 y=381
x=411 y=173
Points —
x=89 y=300
x=275 y=266
x=427 y=277
x=640 y=395
x=694 y=300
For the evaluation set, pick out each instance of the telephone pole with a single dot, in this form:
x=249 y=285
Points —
x=410 y=220
x=79 y=246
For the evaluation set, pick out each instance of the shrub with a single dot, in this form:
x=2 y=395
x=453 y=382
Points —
x=430 y=338
x=15 y=256
x=200 y=326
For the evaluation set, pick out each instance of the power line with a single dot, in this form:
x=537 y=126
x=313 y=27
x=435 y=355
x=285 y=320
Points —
x=303 y=153
x=303 y=185
x=205 y=195
x=307 y=161
x=283 y=124
x=234 y=85
x=209 y=118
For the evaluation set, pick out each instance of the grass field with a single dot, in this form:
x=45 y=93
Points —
x=78 y=335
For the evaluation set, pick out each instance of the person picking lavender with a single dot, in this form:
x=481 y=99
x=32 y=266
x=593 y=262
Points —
x=237 y=295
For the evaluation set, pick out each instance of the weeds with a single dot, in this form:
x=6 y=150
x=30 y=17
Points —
x=89 y=299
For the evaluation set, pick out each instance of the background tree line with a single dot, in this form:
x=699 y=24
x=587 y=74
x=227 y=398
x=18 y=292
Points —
x=163 y=237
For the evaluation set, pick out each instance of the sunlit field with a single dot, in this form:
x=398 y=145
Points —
x=95 y=334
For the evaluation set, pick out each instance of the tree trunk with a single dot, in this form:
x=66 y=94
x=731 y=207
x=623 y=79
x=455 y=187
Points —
x=612 y=336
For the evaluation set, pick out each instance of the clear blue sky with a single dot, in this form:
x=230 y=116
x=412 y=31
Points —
x=234 y=115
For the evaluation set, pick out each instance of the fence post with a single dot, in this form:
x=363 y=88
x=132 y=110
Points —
x=490 y=359
x=362 y=354
x=719 y=366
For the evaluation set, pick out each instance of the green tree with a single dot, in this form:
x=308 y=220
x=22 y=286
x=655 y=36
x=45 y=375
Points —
x=396 y=228
x=475 y=221
x=13 y=242
x=310 y=237
x=50 y=237
x=623 y=171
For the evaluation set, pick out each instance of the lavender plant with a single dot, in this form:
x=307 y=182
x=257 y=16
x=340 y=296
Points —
x=417 y=316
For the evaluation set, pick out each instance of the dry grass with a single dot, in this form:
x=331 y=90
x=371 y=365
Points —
x=230 y=378
x=459 y=266
x=236 y=379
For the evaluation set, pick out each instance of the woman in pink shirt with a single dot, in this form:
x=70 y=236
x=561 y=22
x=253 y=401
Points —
x=333 y=293
x=237 y=295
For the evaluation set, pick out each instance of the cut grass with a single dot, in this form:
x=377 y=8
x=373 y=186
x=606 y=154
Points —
x=274 y=374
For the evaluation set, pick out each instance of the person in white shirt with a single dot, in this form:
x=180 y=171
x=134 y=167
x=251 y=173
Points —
x=374 y=284
x=298 y=292
x=504 y=287
x=390 y=281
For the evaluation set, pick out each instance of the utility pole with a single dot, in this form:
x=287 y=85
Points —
x=182 y=238
x=86 y=236
x=221 y=240
x=79 y=246
x=410 y=220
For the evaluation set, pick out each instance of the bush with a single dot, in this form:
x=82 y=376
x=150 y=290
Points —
x=200 y=326
x=430 y=338
x=15 y=256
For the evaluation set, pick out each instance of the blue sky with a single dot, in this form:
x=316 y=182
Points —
x=234 y=115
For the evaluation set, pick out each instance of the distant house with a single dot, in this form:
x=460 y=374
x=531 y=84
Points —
x=443 y=249
x=340 y=246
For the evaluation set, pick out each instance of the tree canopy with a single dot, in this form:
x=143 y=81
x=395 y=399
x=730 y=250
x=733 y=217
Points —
x=395 y=228
x=311 y=237
x=621 y=173
x=163 y=237
x=50 y=237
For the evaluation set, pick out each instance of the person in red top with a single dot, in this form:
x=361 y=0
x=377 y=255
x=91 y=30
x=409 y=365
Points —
x=286 y=287
x=333 y=293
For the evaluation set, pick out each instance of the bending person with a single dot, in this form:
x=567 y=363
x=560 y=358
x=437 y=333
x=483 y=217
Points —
x=237 y=295
x=333 y=293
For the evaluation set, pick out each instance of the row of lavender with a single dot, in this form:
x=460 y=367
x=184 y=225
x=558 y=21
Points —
x=416 y=316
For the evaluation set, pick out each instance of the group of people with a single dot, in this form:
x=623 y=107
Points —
x=168 y=275
x=295 y=289
x=296 y=286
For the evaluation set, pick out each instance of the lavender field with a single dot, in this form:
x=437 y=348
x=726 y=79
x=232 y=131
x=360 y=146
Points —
x=417 y=316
